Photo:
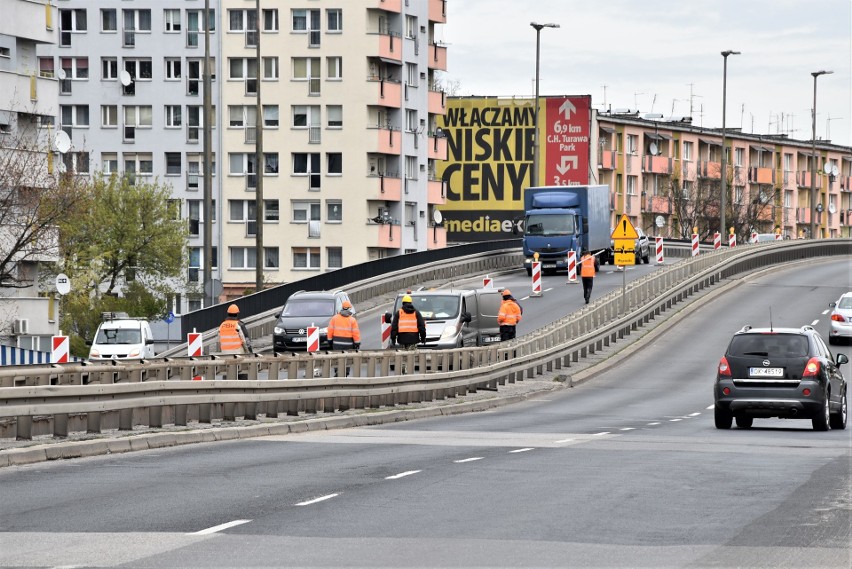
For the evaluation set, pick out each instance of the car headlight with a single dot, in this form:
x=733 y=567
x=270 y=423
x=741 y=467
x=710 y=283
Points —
x=134 y=353
x=278 y=330
x=94 y=354
x=449 y=332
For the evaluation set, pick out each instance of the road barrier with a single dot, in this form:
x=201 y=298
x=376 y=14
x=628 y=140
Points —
x=92 y=396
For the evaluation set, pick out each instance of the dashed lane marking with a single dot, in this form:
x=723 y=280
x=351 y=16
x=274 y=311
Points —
x=520 y=450
x=315 y=500
x=220 y=527
x=627 y=429
x=655 y=423
x=402 y=474
x=471 y=459
x=694 y=414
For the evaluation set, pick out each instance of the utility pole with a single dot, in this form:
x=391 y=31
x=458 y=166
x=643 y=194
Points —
x=207 y=117
x=260 y=166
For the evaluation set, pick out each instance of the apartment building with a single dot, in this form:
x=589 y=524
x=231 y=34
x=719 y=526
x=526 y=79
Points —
x=349 y=94
x=28 y=105
x=652 y=165
x=130 y=98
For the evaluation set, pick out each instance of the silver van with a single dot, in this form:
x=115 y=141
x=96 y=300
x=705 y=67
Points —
x=456 y=318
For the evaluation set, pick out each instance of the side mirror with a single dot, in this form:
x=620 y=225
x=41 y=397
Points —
x=466 y=317
x=832 y=304
x=842 y=359
x=388 y=318
x=149 y=341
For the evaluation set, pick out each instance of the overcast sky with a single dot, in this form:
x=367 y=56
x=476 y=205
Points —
x=652 y=54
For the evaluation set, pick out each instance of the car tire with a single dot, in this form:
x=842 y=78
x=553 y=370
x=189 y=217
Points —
x=832 y=340
x=647 y=258
x=722 y=418
x=821 y=421
x=744 y=422
x=838 y=420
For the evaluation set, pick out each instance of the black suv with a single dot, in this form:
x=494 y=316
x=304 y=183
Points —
x=303 y=309
x=782 y=372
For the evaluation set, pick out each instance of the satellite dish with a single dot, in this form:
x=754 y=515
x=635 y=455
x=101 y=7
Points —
x=125 y=78
x=659 y=221
x=834 y=170
x=831 y=208
x=653 y=148
x=827 y=168
x=62 y=142
x=437 y=217
x=63 y=284
x=61 y=74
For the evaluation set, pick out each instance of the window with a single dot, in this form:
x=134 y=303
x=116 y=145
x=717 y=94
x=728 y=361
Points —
x=109 y=20
x=173 y=116
x=335 y=163
x=305 y=211
x=335 y=116
x=411 y=167
x=411 y=27
x=109 y=116
x=334 y=210
x=687 y=152
x=739 y=192
x=71 y=21
x=242 y=67
x=687 y=189
x=270 y=116
x=240 y=116
x=171 y=18
x=74 y=115
x=270 y=258
x=411 y=120
x=75 y=67
x=135 y=21
x=788 y=162
x=631 y=185
x=301 y=17
x=139 y=69
x=632 y=143
x=172 y=69
x=241 y=164
x=306 y=163
x=243 y=257
x=76 y=162
x=45 y=67
x=242 y=20
x=306 y=115
x=270 y=210
x=334 y=66
x=142 y=164
x=335 y=257
x=270 y=68
x=109 y=68
x=739 y=154
x=270 y=163
x=334 y=19
x=109 y=162
x=306 y=67
x=413 y=75
x=270 y=20
x=173 y=167
x=306 y=258
x=242 y=210
x=140 y=116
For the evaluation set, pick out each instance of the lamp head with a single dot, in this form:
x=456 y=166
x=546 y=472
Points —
x=822 y=72
x=728 y=52
x=538 y=26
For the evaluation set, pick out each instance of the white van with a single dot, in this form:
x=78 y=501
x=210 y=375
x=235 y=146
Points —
x=122 y=337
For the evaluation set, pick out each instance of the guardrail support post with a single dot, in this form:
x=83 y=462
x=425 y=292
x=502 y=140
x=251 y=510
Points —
x=293 y=407
x=251 y=411
x=155 y=417
x=125 y=419
x=272 y=408
x=60 y=425
x=93 y=422
x=24 y=428
x=229 y=412
x=180 y=415
x=204 y=413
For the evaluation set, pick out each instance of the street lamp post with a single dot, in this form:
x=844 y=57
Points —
x=814 y=156
x=724 y=197
x=538 y=28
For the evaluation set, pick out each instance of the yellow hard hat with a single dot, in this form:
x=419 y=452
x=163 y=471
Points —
x=406 y=298
x=233 y=309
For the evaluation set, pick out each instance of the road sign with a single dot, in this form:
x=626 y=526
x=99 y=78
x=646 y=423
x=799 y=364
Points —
x=60 y=348
x=624 y=230
x=625 y=252
x=170 y=317
x=194 y=344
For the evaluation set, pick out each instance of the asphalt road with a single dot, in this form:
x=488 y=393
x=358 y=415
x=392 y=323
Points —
x=625 y=470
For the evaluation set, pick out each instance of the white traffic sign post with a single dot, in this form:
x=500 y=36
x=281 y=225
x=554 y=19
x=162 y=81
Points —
x=60 y=346
x=194 y=344
x=536 y=278
x=717 y=241
x=386 y=330
x=572 y=267
x=313 y=339
x=658 y=246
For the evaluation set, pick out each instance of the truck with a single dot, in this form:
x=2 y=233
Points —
x=559 y=219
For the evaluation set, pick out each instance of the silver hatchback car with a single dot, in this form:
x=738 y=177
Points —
x=840 y=320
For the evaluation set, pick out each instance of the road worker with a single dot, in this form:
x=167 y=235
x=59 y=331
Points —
x=408 y=326
x=343 y=332
x=233 y=334
x=589 y=266
x=509 y=316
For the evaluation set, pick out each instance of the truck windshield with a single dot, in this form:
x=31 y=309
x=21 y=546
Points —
x=434 y=307
x=118 y=336
x=549 y=225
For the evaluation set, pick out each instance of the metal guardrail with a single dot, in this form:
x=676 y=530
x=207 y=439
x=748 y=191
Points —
x=125 y=394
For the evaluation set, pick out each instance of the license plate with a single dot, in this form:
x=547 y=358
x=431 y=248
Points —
x=766 y=371
x=549 y=265
x=487 y=339
x=300 y=339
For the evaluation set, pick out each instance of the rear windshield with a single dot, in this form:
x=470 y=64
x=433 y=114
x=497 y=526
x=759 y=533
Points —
x=845 y=302
x=118 y=336
x=769 y=345
x=309 y=307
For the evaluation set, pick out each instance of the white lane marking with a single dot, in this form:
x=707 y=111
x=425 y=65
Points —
x=402 y=474
x=626 y=429
x=599 y=434
x=675 y=420
x=315 y=500
x=694 y=414
x=653 y=424
x=814 y=323
x=520 y=450
x=711 y=407
x=220 y=527
x=825 y=311
x=469 y=459
x=548 y=289
x=563 y=441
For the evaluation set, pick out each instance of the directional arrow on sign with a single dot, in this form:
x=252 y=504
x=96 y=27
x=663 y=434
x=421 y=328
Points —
x=567 y=108
x=566 y=164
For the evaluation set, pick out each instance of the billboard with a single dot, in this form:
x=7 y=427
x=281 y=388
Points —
x=490 y=145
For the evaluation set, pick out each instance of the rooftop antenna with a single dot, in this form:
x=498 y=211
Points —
x=653 y=102
x=770 y=319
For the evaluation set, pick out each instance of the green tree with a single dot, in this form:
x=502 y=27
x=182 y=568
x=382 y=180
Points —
x=123 y=248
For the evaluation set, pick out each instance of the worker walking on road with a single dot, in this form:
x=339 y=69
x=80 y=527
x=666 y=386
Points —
x=233 y=335
x=408 y=326
x=343 y=331
x=509 y=316
x=589 y=266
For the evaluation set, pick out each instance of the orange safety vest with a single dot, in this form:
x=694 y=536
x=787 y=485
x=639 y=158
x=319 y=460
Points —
x=407 y=322
x=344 y=327
x=510 y=313
x=587 y=266
x=229 y=337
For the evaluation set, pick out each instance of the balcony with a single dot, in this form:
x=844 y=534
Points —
x=388 y=141
x=659 y=204
x=608 y=160
x=437 y=148
x=845 y=182
x=761 y=175
x=385 y=186
x=394 y=6
x=388 y=93
x=437 y=57
x=657 y=164
x=435 y=191
x=390 y=47
x=437 y=102
x=436 y=237
x=706 y=169
x=385 y=235
x=13 y=87
x=438 y=11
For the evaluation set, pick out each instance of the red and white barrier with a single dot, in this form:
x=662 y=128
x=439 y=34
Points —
x=717 y=241
x=536 y=278
x=60 y=346
x=754 y=236
x=658 y=245
x=732 y=240
x=313 y=339
x=487 y=282
x=694 y=244
x=386 y=329
x=194 y=345
x=778 y=237
x=572 y=267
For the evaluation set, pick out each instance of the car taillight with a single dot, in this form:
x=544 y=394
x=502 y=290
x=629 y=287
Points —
x=811 y=368
x=838 y=318
x=724 y=368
